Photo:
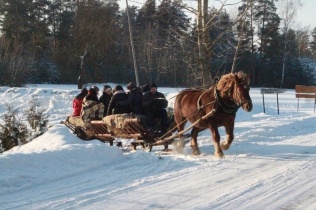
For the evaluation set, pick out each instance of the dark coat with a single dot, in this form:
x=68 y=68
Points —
x=117 y=97
x=154 y=102
x=105 y=99
x=134 y=101
x=92 y=96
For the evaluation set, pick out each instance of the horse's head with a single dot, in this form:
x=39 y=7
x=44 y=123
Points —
x=236 y=86
x=240 y=91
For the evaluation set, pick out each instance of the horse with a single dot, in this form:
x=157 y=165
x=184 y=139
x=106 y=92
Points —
x=213 y=108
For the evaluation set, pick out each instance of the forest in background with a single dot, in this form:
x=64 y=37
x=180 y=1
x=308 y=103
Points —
x=57 y=41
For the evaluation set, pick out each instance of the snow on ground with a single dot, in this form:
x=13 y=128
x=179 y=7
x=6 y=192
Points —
x=270 y=165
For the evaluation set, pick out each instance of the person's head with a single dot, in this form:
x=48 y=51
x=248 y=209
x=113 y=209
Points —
x=117 y=88
x=84 y=92
x=153 y=88
x=130 y=86
x=107 y=89
x=94 y=89
x=145 y=88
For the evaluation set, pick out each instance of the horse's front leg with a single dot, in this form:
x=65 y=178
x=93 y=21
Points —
x=229 y=136
x=194 y=145
x=216 y=139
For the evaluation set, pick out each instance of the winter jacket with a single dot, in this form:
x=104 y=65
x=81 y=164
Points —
x=105 y=99
x=92 y=110
x=134 y=101
x=114 y=107
x=154 y=102
x=77 y=106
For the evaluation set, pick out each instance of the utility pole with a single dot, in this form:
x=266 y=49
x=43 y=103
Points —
x=132 y=44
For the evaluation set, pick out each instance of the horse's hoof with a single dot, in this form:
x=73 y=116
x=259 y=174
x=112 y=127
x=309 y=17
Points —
x=179 y=146
x=219 y=155
x=167 y=150
x=225 y=146
x=196 y=152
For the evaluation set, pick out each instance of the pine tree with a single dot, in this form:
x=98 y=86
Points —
x=36 y=117
x=268 y=23
x=245 y=30
x=13 y=132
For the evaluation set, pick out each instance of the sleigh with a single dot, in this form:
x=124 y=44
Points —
x=125 y=126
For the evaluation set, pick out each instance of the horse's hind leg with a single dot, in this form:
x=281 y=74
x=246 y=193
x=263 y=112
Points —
x=194 y=145
x=179 y=146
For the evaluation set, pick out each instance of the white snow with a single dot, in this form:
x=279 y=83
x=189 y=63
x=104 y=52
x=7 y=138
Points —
x=270 y=165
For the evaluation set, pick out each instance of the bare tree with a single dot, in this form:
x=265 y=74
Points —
x=16 y=63
x=287 y=10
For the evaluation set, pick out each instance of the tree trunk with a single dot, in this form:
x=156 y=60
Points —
x=204 y=43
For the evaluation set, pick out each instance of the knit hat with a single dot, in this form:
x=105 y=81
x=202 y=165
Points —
x=95 y=88
x=152 y=85
x=131 y=86
x=84 y=91
x=145 y=88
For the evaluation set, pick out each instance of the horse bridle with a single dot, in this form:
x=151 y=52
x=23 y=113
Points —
x=237 y=93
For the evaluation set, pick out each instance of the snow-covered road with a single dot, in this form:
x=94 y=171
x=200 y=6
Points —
x=270 y=165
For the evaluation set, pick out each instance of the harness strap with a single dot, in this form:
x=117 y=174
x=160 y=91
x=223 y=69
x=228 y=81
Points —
x=186 y=119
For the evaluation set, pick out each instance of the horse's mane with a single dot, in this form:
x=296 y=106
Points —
x=223 y=83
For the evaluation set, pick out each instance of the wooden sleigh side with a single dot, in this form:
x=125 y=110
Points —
x=133 y=129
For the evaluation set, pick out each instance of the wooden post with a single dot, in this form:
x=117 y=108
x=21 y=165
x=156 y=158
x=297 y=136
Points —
x=315 y=103
x=264 y=109
x=79 y=83
x=278 y=102
x=271 y=91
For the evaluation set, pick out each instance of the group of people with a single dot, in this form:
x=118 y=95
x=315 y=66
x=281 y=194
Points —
x=145 y=100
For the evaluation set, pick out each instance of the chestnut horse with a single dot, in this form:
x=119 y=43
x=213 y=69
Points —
x=213 y=108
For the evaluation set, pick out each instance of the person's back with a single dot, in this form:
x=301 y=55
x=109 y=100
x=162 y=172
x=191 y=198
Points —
x=91 y=107
x=155 y=103
x=77 y=102
x=134 y=100
x=118 y=96
x=106 y=98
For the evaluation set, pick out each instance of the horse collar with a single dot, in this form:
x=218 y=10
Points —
x=226 y=108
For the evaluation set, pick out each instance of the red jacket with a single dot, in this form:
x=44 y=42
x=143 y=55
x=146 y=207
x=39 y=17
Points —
x=77 y=105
